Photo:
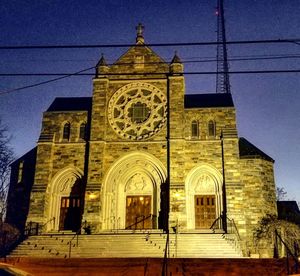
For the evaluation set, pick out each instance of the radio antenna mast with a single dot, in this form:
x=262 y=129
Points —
x=222 y=80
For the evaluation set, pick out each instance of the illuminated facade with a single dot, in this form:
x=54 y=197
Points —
x=103 y=161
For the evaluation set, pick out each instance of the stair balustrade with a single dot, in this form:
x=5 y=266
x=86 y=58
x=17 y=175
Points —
x=291 y=269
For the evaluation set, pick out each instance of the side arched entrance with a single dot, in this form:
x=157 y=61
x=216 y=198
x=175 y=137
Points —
x=65 y=197
x=131 y=192
x=204 y=196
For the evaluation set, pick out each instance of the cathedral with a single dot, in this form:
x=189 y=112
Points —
x=142 y=153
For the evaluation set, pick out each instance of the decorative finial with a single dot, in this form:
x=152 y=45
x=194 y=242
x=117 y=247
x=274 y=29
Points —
x=139 y=33
x=102 y=61
x=176 y=58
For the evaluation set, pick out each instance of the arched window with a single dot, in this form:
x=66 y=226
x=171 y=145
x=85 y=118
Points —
x=66 y=132
x=82 y=131
x=195 y=129
x=211 y=128
x=20 y=172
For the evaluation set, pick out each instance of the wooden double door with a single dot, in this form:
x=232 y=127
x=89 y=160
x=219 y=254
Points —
x=70 y=213
x=205 y=211
x=138 y=212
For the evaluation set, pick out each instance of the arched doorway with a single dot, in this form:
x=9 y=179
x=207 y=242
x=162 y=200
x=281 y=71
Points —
x=203 y=196
x=131 y=192
x=65 y=197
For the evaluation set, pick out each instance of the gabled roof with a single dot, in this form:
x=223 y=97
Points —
x=288 y=206
x=248 y=150
x=129 y=61
x=71 y=104
x=208 y=100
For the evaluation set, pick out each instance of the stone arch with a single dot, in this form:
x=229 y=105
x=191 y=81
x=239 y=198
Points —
x=61 y=185
x=203 y=179
x=136 y=173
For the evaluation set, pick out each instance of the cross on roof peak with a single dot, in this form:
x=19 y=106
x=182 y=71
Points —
x=140 y=33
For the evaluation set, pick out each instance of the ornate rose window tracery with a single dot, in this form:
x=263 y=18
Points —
x=137 y=111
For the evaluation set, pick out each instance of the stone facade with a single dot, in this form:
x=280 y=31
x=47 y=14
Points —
x=123 y=155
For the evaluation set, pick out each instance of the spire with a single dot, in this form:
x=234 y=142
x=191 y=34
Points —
x=176 y=58
x=222 y=80
x=176 y=66
x=102 y=61
x=101 y=67
x=139 y=34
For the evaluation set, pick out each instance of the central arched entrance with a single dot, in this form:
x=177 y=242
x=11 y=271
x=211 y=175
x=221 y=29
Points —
x=203 y=196
x=131 y=192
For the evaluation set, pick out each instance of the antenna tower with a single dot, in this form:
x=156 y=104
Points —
x=222 y=80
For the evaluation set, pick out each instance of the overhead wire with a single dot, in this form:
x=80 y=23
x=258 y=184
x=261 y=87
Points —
x=73 y=46
x=44 y=82
x=77 y=74
x=81 y=72
x=185 y=60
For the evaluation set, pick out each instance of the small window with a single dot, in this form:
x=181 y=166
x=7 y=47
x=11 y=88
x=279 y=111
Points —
x=82 y=131
x=195 y=129
x=211 y=129
x=66 y=132
x=20 y=172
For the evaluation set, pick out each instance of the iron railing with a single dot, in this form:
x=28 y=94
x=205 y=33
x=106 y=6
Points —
x=35 y=228
x=291 y=269
x=141 y=220
x=71 y=240
x=230 y=226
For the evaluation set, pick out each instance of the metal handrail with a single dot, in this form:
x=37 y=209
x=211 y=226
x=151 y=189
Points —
x=215 y=222
x=288 y=253
x=236 y=232
x=50 y=220
x=31 y=231
x=233 y=227
x=70 y=241
x=166 y=256
x=142 y=220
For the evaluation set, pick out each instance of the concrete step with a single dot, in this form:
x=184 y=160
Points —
x=119 y=245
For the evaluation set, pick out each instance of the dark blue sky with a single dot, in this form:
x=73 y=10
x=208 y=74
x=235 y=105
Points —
x=268 y=106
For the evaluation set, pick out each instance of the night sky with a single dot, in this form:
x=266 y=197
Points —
x=268 y=105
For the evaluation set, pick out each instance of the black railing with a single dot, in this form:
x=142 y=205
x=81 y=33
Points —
x=71 y=240
x=230 y=226
x=141 y=220
x=35 y=228
x=291 y=269
x=32 y=229
x=166 y=256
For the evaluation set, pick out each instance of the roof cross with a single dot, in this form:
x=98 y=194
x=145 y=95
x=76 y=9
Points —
x=139 y=33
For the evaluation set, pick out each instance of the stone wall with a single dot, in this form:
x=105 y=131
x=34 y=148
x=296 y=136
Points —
x=259 y=196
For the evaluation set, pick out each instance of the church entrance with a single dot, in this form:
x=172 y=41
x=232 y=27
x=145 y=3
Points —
x=205 y=211
x=70 y=213
x=138 y=212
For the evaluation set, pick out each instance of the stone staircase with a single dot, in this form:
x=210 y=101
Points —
x=128 y=244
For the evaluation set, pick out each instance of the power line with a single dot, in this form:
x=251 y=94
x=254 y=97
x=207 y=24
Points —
x=185 y=60
x=78 y=74
x=193 y=61
x=72 y=46
x=44 y=82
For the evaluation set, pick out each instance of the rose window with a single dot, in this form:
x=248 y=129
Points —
x=137 y=111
